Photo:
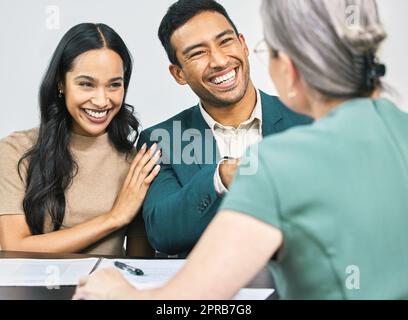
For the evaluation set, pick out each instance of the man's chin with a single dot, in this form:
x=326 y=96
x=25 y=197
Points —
x=218 y=98
x=229 y=98
x=225 y=102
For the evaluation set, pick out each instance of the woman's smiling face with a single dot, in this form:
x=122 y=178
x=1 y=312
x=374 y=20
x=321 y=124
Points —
x=94 y=91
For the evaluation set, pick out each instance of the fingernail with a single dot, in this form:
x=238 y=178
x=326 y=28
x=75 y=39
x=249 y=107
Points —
x=144 y=147
x=153 y=148
x=157 y=169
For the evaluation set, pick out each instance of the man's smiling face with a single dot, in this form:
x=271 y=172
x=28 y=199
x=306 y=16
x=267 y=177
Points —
x=213 y=59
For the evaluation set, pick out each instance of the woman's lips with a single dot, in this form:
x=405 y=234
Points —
x=95 y=119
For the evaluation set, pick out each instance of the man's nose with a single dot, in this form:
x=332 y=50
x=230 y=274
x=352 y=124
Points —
x=218 y=59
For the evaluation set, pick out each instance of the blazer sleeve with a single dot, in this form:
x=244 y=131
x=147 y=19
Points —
x=176 y=215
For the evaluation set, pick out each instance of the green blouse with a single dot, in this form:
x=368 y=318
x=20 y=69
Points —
x=338 y=191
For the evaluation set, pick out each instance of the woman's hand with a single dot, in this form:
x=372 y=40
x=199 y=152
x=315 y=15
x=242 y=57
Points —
x=16 y=235
x=142 y=172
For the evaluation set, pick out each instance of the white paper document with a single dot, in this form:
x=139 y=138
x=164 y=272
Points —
x=254 y=294
x=44 y=272
x=158 y=272
x=67 y=272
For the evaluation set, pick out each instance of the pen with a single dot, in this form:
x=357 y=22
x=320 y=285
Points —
x=133 y=270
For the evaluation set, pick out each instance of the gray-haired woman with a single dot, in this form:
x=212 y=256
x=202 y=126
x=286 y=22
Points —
x=329 y=200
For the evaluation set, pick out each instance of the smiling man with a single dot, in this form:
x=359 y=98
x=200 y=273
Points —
x=202 y=145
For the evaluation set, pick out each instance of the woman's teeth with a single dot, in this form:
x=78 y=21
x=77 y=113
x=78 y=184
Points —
x=229 y=77
x=96 y=114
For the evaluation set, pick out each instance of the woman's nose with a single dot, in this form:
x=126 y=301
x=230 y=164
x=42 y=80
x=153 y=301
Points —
x=100 y=99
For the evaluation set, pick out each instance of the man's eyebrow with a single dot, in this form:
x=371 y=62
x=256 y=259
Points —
x=192 y=47
x=226 y=32
x=202 y=44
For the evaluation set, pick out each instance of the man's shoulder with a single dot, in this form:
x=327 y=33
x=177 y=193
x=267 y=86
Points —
x=272 y=104
x=269 y=97
x=181 y=122
x=185 y=117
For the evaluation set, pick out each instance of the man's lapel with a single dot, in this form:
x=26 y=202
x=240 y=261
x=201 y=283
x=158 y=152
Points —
x=271 y=114
x=206 y=152
x=201 y=147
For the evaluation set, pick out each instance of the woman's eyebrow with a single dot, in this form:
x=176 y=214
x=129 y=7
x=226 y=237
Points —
x=116 y=79
x=85 y=78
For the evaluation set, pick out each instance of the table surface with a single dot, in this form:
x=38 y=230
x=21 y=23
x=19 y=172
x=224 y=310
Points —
x=262 y=280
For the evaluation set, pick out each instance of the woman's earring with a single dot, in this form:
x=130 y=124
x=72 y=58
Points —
x=292 y=94
x=60 y=94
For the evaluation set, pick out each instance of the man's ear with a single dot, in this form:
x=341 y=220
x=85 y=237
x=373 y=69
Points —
x=178 y=74
x=242 y=40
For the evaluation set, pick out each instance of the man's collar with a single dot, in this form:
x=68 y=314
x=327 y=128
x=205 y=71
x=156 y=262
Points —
x=256 y=114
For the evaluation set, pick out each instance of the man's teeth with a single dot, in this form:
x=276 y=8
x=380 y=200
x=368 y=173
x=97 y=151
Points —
x=96 y=114
x=229 y=77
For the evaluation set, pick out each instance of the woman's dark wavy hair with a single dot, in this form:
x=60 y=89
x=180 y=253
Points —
x=51 y=167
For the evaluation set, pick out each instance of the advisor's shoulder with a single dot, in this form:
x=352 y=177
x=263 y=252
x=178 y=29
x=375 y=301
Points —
x=301 y=142
x=390 y=110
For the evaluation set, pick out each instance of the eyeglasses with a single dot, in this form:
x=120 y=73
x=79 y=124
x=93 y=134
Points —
x=263 y=51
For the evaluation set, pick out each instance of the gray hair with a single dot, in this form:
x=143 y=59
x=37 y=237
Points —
x=328 y=41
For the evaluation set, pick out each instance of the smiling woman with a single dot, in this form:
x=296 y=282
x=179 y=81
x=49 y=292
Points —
x=94 y=91
x=72 y=185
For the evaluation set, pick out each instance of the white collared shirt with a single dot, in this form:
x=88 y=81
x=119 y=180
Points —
x=232 y=142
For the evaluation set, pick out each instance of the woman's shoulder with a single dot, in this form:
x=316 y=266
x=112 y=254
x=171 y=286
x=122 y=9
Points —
x=335 y=139
x=19 y=142
x=298 y=140
x=342 y=125
x=304 y=147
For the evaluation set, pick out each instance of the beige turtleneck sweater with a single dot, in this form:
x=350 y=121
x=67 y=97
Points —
x=101 y=172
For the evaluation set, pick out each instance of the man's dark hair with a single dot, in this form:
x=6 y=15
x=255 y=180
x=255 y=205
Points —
x=180 y=13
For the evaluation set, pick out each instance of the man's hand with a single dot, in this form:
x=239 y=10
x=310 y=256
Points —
x=227 y=171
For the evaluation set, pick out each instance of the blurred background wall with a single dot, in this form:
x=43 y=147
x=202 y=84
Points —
x=31 y=29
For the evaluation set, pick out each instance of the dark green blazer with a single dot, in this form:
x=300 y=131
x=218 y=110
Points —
x=182 y=200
